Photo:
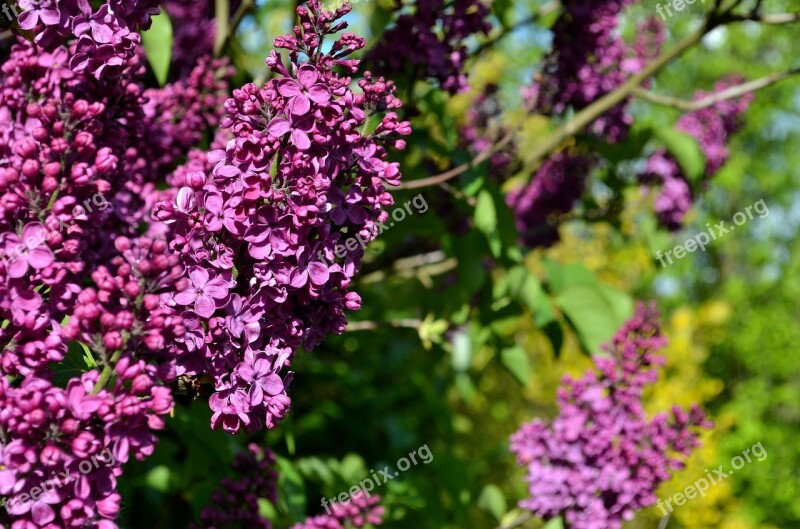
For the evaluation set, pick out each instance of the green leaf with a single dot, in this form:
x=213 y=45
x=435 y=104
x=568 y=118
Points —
x=685 y=149
x=314 y=467
x=266 y=509
x=292 y=486
x=516 y=361
x=77 y=361
x=496 y=220
x=485 y=213
x=159 y=478
x=595 y=312
x=562 y=276
x=524 y=287
x=492 y=501
x=555 y=523
x=157 y=42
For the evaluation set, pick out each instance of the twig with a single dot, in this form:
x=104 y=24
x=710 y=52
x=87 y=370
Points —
x=461 y=169
x=105 y=375
x=664 y=521
x=226 y=30
x=586 y=116
x=222 y=10
x=777 y=19
x=731 y=92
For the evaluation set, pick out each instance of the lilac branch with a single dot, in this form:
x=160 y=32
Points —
x=731 y=92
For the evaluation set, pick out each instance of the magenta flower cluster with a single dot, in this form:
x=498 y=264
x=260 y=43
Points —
x=602 y=458
x=711 y=127
x=236 y=503
x=554 y=188
x=430 y=42
x=48 y=432
x=82 y=268
x=105 y=38
x=579 y=71
x=305 y=169
x=360 y=510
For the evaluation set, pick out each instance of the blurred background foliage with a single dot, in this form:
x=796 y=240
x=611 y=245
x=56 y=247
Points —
x=462 y=336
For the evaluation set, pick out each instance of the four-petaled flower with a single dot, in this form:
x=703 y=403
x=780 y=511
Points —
x=27 y=249
x=203 y=292
x=303 y=90
x=263 y=379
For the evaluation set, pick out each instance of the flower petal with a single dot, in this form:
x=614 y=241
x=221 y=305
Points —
x=307 y=75
x=299 y=105
x=289 y=88
x=319 y=94
x=318 y=273
x=205 y=306
x=272 y=384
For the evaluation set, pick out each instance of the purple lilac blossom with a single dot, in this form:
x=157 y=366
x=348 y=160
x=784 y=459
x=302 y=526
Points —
x=711 y=127
x=102 y=40
x=298 y=175
x=359 y=510
x=236 y=504
x=552 y=191
x=602 y=458
x=589 y=59
x=79 y=157
x=431 y=41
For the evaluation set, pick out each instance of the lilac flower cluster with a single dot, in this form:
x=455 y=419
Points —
x=79 y=278
x=179 y=113
x=236 y=505
x=577 y=72
x=305 y=169
x=194 y=31
x=602 y=459
x=48 y=431
x=553 y=190
x=105 y=38
x=361 y=509
x=590 y=59
x=431 y=41
x=711 y=127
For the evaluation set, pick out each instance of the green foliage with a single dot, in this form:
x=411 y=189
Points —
x=157 y=42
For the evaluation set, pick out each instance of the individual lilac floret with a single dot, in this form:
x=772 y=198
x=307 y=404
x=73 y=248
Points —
x=27 y=250
x=602 y=459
